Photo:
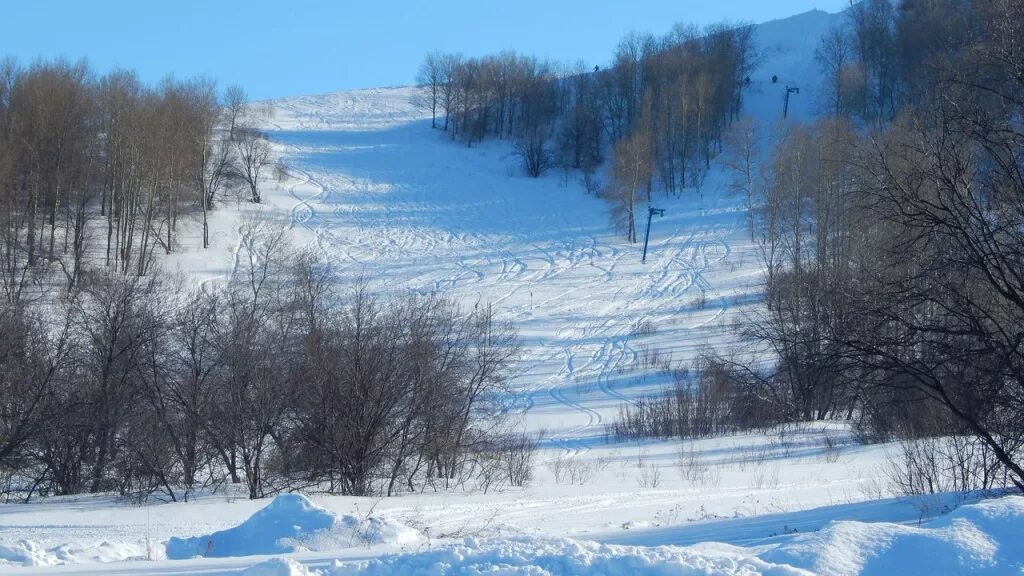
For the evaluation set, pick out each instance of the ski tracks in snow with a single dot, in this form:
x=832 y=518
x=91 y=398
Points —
x=437 y=222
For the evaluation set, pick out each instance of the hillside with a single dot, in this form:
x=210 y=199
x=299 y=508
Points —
x=390 y=202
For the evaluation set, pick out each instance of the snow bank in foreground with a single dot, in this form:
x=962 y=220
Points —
x=28 y=553
x=292 y=523
x=975 y=539
x=24 y=553
x=981 y=538
x=533 y=557
x=279 y=567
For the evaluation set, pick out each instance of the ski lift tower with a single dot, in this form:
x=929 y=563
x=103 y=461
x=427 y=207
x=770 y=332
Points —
x=785 y=107
x=651 y=212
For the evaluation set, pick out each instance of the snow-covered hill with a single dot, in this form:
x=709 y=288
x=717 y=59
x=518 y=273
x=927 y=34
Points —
x=397 y=204
x=390 y=201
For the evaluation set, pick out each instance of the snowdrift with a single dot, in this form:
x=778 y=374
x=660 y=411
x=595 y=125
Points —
x=29 y=553
x=536 y=557
x=279 y=567
x=981 y=538
x=292 y=523
x=25 y=553
x=975 y=539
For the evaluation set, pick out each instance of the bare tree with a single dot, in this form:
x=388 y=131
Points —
x=533 y=152
x=448 y=70
x=630 y=171
x=252 y=155
x=236 y=105
x=430 y=77
x=834 y=54
x=742 y=142
x=212 y=165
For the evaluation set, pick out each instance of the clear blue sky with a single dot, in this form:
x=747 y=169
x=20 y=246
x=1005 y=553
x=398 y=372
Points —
x=291 y=47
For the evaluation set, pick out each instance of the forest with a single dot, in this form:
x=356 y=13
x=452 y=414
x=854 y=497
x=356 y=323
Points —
x=274 y=381
x=117 y=377
x=101 y=169
x=892 y=236
x=659 y=111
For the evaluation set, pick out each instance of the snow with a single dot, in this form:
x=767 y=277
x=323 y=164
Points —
x=974 y=539
x=981 y=538
x=289 y=523
x=292 y=523
x=788 y=47
x=278 y=567
x=533 y=556
x=29 y=553
x=413 y=213
x=748 y=477
x=389 y=201
x=24 y=553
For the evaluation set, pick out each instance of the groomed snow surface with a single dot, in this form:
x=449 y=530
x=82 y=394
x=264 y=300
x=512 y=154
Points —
x=388 y=201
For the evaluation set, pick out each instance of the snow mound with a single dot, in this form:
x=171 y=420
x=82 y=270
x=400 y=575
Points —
x=279 y=567
x=980 y=538
x=292 y=523
x=537 y=557
x=29 y=553
x=974 y=539
x=24 y=553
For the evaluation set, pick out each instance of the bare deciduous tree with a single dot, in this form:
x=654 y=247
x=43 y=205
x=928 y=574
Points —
x=252 y=151
x=743 y=144
x=631 y=170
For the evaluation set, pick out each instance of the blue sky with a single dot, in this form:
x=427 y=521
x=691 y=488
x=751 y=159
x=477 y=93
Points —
x=291 y=47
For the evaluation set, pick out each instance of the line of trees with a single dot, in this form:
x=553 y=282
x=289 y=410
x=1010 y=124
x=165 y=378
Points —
x=892 y=234
x=894 y=248
x=660 y=109
x=887 y=56
x=107 y=166
x=274 y=382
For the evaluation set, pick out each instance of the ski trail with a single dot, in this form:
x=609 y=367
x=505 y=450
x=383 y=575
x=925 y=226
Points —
x=403 y=207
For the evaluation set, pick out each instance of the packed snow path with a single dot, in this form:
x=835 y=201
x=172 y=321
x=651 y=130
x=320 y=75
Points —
x=402 y=207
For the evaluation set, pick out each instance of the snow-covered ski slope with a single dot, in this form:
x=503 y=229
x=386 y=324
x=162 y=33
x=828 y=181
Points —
x=399 y=205
x=391 y=202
